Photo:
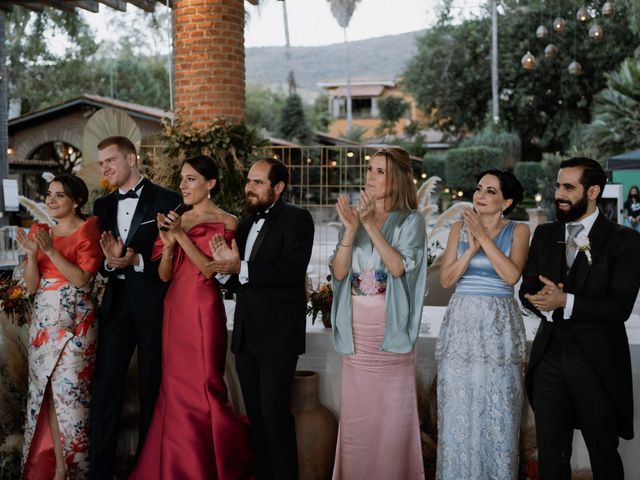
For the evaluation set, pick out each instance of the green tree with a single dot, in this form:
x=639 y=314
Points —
x=293 y=122
x=616 y=112
x=450 y=74
x=263 y=108
x=39 y=74
x=391 y=108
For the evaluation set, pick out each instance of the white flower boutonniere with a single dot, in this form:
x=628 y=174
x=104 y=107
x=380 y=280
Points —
x=582 y=243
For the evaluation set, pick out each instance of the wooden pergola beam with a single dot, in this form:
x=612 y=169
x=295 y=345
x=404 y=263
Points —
x=146 y=5
x=116 y=4
x=89 y=5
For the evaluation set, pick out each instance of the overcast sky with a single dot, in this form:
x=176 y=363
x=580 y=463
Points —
x=311 y=22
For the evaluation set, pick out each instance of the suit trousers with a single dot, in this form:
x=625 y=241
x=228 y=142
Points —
x=119 y=334
x=266 y=384
x=567 y=393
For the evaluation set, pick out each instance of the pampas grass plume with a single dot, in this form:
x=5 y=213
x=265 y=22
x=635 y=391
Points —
x=37 y=210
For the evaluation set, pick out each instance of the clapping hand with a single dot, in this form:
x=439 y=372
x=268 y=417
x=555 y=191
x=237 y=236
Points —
x=474 y=224
x=549 y=297
x=45 y=241
x=366 y=208
x=348 y=216
x=226 y=260
x=112 y=249
x=28 y=246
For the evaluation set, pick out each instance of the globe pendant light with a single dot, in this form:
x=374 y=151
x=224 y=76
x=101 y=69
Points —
x=596 y=32
x=607 y=9
x=575 y=69
x=550 y=51
x=583 y=15
x=558 y=24
x=528 y=61
x=542 y=32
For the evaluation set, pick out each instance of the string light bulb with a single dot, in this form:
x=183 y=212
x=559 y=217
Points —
x=583 y=15
x=558 y=24
x=528 y=61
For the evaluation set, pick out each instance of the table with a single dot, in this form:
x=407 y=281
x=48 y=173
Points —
x=322 y=358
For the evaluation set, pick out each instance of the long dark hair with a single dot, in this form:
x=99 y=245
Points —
x=74 y=188
x=637 y=193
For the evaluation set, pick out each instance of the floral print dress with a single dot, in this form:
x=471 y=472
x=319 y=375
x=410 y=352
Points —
x=62 y=349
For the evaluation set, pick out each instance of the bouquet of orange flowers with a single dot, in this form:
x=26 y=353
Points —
x=320 y=302
x=15 y=300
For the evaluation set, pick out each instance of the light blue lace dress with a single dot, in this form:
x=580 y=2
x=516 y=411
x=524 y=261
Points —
x=480 y=354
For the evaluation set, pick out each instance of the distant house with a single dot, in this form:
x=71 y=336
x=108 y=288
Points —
x=39 y=141
x=365 y=95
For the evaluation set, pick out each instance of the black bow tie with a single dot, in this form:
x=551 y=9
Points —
x=260 y=216
x=131 y=193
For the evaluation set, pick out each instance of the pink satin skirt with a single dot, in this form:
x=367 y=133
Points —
x=379 y=434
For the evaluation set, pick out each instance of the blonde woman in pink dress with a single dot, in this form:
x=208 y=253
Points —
x=379 y=280
x=61 y=263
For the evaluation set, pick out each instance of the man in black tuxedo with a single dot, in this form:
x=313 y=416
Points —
x=130 y=315
x=582 y=280
x=269 y=263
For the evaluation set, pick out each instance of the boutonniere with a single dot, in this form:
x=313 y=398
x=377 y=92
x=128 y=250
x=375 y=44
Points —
x=583 y=244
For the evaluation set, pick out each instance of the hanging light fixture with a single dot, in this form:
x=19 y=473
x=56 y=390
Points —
x=596 y=32
x=575 y=68
x=528 y=61
x=583 y=15
x=558 y=24
x=542 y=32
x=550 y=51
x=607 y=9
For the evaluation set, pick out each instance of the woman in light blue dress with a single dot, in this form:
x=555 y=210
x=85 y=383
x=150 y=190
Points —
x=481 y=349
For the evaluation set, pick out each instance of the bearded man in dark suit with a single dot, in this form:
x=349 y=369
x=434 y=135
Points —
x=130 y=315
x=581 y=279
x=268 y=265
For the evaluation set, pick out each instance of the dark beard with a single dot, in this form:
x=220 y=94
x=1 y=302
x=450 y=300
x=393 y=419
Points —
x=576 y=211
x=250 y=208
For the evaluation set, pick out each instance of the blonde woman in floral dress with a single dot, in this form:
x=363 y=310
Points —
x=61 y=263
x=379 y=279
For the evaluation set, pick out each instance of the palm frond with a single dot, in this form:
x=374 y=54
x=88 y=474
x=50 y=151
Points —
x=37 y=210
x=426 y=189
x=450 y=215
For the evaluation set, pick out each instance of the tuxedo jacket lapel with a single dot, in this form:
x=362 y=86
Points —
x=581 y=268
x=557 y=256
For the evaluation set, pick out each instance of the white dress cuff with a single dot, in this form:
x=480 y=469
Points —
x=140 y=267
x=243 y=277
x=568 y=309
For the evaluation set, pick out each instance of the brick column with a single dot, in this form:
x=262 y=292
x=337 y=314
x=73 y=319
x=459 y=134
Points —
x=208 y=40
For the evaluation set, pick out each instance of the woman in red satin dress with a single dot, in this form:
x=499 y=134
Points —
x=61 y=263
x=195 y=433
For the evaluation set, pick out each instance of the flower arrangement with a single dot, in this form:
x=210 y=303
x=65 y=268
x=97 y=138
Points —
x=15 y=300
x=320 y=301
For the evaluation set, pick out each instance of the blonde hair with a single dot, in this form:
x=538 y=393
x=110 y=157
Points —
x=401 y=190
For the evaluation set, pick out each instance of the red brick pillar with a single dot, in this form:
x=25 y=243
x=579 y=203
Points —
x=208 y=40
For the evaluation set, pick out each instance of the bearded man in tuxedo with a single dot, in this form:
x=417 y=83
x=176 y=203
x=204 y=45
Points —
x=267 y=266
x=581 y=278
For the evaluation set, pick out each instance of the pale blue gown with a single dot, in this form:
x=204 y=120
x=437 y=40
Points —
x=480 y=354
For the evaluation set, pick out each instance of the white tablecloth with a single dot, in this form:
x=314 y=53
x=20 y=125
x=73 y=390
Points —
x=321 y=357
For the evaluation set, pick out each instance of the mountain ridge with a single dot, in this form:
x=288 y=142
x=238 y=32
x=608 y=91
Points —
x=379 y=58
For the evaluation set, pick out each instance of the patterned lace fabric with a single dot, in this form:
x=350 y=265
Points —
x=480 y=353
x=369 y=282
x=478 y=328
